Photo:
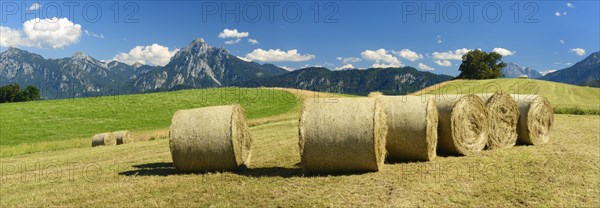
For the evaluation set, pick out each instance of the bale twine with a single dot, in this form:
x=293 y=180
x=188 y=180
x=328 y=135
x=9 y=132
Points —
x=347 y=135
x=103 y=139
x=503 y=115
x=412 y=124
x=463 y=125
x=535 y=119
x=210 y=139
x=123 y=137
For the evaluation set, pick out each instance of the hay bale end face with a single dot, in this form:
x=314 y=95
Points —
x=536 y=118
x=123 y=137
x=210 y=139
x=343 y=136
x=103 y=139
x=503 y=114
x=412 y=127
x=463 y=125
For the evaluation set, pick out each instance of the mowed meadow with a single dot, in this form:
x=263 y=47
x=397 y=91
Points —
x=64 y=170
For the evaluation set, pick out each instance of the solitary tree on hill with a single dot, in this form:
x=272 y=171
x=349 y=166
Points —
x=478 y=64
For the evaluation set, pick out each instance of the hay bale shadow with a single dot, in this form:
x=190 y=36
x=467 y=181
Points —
x=272 y=172
x=152 y=169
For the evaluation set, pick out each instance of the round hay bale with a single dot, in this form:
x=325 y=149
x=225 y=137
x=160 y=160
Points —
x=103 y=139
x=375 y=94
x=412 y=124
x=503 y=115
x=210 y=139
x=535 y=119
x=463 y=125
x=123 y=137
x=343 y=136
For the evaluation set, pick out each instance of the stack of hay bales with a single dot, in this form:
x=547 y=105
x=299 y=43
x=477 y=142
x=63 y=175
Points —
x=536 y=118
x=210 y=139
x=123 y=137
x=412 y=124
x=463 y=125
x=503 y=115
x=103 y=139
x=343 y=136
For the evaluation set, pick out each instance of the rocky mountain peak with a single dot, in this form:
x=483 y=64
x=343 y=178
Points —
x=81 y=56
x=12 y=51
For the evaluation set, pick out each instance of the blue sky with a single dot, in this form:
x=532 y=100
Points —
x=543 y=35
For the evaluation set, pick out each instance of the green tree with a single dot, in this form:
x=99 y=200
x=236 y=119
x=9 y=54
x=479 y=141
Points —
x=13 y=93
x=9 y=93
x=478 y=64
x=31 y=93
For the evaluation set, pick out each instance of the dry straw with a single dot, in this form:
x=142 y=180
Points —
x=535 y=119
x=463 y=124
x=210 y=139
x=123 y=137
x=503 y=115
x=412 y=127
x=103 y=139
x=345 y=135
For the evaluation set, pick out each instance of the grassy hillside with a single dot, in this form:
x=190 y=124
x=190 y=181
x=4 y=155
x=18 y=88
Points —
x=561 y=173
x=55 y=120
x=560 y=95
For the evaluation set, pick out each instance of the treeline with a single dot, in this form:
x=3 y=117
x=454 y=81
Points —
x=13 y=93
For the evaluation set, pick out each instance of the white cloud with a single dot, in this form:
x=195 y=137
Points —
x=287 y=68
x=409 y=55
x=382 y=58
x=562 y=42
x=244 y=59
x=578 y=51
x=54 y=32
x=231 y=42
x=227 y=33
x=504 y=51
x=558 y=14
x=43 y=33
x=348 y=59
x=439 y=39
x=278 y=55
x=547 y=72
x=570 y=5
x=564 y=13
x=422 y=66
x=153 y=55
x=443 y=62
x=309 y=65
x=451 y=55
x=88 y=33
x=9 y=37
x=568 y=63
x=347 y=66
x=34 y=7
x=386 y=65
x=252 y=41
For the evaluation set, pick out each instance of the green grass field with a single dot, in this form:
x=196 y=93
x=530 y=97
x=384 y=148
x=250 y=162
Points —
x=57 y=124
x=561 y=96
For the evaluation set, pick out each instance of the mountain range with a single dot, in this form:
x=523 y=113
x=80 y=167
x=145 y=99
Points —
x=512 y=70
x=198 y=65
x=586 y=72
x=353 y=81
